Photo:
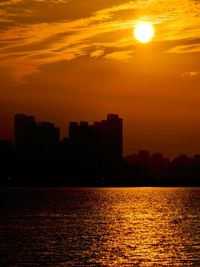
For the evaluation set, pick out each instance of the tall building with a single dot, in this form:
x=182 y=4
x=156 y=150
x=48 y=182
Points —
x=102 y=141
x=25 y=135
x=34 y=140
x=114 y=135
x=48 y=139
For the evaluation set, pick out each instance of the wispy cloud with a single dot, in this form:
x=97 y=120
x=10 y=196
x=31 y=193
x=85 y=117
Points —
x=120 y=55
x=106 y=32
x=52 y=1
x=182 y=49
x=97 y=53
x=9 y=2
x=191 y=74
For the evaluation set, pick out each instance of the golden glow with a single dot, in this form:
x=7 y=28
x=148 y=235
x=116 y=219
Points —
x=144 y=32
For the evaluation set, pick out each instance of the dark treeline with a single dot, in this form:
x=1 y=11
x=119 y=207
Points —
x=90 y=156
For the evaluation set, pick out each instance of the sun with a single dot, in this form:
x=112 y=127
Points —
x=144 y=32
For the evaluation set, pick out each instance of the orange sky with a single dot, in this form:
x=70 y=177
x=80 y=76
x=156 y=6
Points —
x=63 y=60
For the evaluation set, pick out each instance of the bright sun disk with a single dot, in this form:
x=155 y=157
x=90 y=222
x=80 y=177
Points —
x=144 y=32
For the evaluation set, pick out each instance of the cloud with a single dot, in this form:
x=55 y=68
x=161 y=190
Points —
x=51 y=1
x=9 y=2
x=106 y=31
x=97 y=53
x=191 y=74
x=180 y=49
x=120 y=55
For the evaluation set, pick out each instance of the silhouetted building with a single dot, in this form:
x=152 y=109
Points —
x=92 y=155
x=6 y=159
x=25 y=136
x=181 y=166
x=34 y=141
x=112 y=137
x=143 y=157
x=99 y=144
x=6 y=150
x=81 y=140
x=158 y=165
x=48 y=137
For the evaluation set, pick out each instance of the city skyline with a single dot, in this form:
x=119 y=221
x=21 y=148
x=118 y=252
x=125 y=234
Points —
x=65 y=133
x=92 y=155
x=102 y=138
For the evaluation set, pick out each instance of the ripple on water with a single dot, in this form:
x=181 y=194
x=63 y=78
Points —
x=100 y=227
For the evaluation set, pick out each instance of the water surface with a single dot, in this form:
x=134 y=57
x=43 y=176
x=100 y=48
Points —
x=100 y=227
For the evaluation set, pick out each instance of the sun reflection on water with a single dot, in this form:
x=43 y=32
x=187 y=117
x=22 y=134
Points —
x=101 y=227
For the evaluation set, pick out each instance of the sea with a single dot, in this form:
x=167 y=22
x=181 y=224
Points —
x=100 y=227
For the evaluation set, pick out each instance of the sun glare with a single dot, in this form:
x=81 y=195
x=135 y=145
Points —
x=144 y=32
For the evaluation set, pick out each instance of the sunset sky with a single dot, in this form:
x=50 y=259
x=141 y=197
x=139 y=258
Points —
x=64 y=60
